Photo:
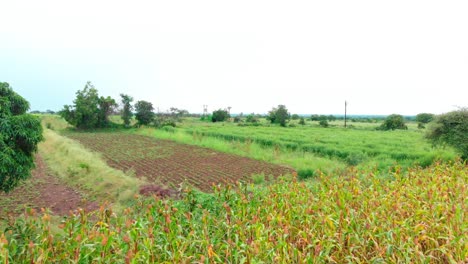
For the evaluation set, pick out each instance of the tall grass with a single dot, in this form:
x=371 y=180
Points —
x=420 y=217
x=366 y=148
x=86 y=170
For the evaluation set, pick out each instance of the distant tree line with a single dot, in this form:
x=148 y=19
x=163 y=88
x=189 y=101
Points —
x=89 y=110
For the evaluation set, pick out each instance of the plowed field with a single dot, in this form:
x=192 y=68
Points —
x=171 y=163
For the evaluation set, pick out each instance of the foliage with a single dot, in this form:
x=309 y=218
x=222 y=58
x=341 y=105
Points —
x=144 y=112
x=365 y=147
x=163 y=120
x=323 y=123
x=451 y=129
x=252 y=118
x=393 y=122
x=127 y=109
x=19 y=135
x=279 y=115
x=302 y=121
x=220 y=115
x=424 y=118
x=89 y=110
x=416 y=219
x=177 y=114
x=295 y=116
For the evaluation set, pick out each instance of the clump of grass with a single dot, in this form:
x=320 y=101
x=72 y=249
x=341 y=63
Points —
x=419 y=217
x=86 y=170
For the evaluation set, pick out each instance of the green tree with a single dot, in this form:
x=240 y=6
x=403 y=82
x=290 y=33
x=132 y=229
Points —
x=89 y=110
x=19 y=135
x=451 y=129
x=295 y=117
x=107 y=106
x=220 y=115
x=302 y=121
x=144 y=112
x=127 y=109
x=424 y=118
x=279 y=115
x=323 y=123
x=393 y=122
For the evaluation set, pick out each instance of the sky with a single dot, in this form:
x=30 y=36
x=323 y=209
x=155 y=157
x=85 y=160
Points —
x=382 y=57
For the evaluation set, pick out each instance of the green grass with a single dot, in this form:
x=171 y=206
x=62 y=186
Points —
x=419 y=217
x=366 y=148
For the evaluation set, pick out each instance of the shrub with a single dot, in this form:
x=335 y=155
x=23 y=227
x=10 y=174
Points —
x=305 y=174
x=393 y=122
x=220 y=115
x=144 y=112
x=323 y=123
x=451 y=129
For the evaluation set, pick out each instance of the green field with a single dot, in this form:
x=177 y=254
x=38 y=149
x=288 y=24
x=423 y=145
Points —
x=361 y=146
x=359 y=196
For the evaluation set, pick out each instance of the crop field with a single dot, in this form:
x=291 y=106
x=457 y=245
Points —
x=356 y=147
x=171 y=163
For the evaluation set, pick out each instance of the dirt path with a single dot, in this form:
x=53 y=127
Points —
x=42 y=190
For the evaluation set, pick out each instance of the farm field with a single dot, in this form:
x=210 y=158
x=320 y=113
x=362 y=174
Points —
x=363 y=147
x=170 y=163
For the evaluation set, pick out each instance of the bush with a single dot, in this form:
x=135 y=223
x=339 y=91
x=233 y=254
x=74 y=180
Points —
x=451 y=129
x=220 y=115
x=305 y=174
x=393 y=122
x=323 y=123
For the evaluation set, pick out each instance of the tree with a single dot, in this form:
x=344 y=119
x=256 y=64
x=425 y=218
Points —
x=89 y=110
x=302 y=121
x=127 y=109
x=19 y=135
x=393 y=122
x=144 y=112
x=220 y=115
x=106 y=108
x=252 y=118
x=295 y=117
x=424 y=118
x=279 y=115
x=451 y=129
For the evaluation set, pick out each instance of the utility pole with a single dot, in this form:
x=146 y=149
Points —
x=345 y=105
x=205 y=110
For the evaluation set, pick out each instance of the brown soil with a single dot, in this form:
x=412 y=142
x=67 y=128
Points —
x=170 y=163
x=42 y=190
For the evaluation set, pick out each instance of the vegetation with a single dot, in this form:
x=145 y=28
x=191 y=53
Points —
x=424 y=118
x=416 y=219
x=89 y=110
x=279 y=115
x=364 y=147
x=19 y=135
x=451 y=129
x=220 y=115
x=393 y=122
x=144 y=112
x=126 y=109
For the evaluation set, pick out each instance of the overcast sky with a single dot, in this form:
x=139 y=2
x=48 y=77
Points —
x=383 y=57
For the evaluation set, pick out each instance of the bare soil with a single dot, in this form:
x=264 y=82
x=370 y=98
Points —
x=42 y=190
x=170 y=163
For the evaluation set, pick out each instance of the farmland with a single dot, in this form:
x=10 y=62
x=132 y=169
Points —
x=170 y=163
x=383 y=207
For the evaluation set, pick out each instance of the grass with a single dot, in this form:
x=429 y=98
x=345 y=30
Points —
x=366 y=148
x=85 y=170
x=419 y=217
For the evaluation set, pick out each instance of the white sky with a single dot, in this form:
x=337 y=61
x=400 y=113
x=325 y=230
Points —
x=383 y=57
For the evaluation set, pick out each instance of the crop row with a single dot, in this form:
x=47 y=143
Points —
x=420 y=217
